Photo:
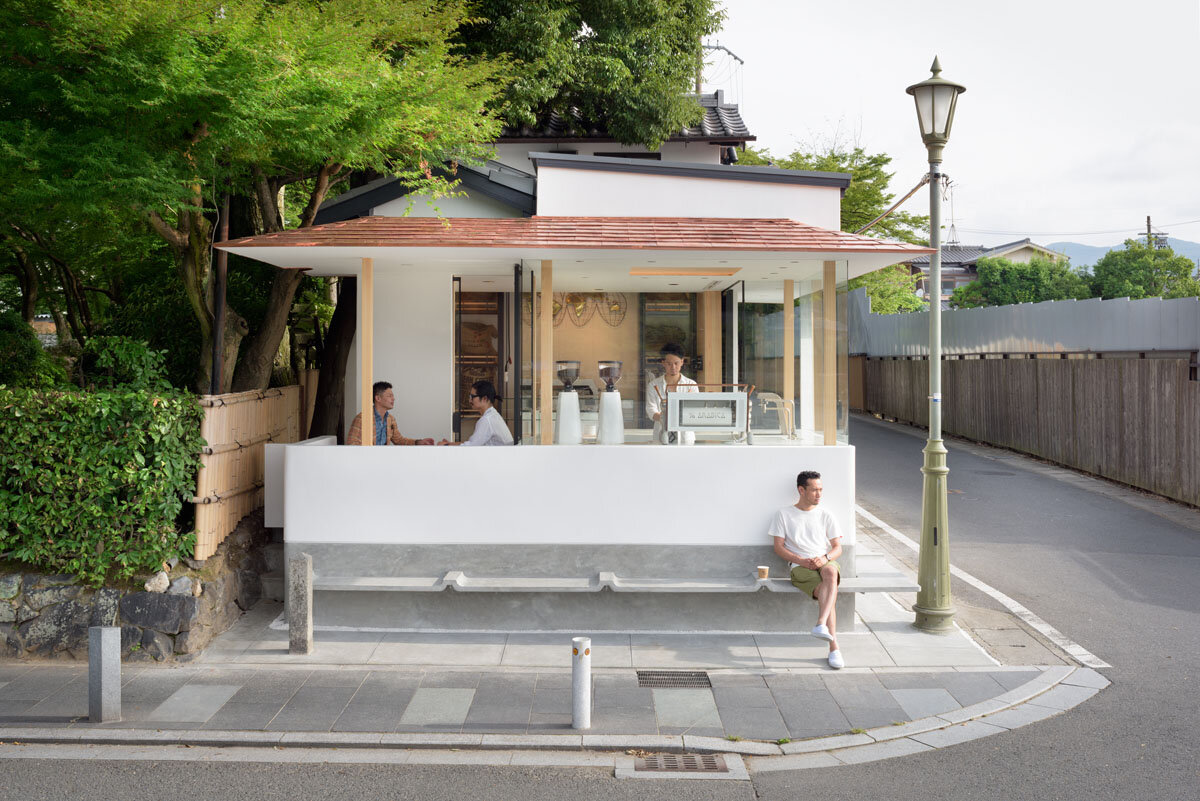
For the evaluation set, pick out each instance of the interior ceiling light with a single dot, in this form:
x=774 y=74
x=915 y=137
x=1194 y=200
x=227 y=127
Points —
x=684 y=271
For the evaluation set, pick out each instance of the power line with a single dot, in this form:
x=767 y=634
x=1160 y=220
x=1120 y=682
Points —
x=1116 y=230
x=1076 y=233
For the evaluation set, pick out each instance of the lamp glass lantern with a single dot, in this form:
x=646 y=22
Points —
x=935 y=98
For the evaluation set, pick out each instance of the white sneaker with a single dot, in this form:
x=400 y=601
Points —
x=821 y=632
x=835 y=660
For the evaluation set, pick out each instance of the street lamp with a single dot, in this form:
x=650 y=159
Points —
x=935 y=98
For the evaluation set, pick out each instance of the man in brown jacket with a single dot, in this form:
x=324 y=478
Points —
x=386 y=430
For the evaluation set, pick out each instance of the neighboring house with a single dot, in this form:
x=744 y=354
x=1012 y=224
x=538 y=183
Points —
x=958 y=263
x=47 y=333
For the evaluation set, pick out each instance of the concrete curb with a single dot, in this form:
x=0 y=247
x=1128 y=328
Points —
x=1055 y=690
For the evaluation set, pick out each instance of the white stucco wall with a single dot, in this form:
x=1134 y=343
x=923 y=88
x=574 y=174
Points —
x=414 y=319
x=573 y=192
x=517 y=155
x=551 y=494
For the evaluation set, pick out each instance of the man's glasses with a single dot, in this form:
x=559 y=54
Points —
x=473 y=397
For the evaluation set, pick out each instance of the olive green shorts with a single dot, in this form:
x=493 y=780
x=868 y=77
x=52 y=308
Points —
x=807 y=580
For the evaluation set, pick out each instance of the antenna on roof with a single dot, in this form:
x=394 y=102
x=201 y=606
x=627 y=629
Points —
x=725 y=72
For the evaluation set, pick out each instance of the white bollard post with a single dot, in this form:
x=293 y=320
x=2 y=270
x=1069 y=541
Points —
x=581 y=683
x=104 y=674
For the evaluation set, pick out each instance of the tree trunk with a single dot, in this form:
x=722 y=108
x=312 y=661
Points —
x=258 y=357
x=61 y=332
x=191 y=244
x=27 y=278
x=331 y=381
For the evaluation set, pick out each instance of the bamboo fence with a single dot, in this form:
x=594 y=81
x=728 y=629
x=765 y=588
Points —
x=229 y=485
x=1133 y=420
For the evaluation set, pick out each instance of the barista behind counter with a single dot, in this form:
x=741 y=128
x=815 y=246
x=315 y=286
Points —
x=672 y=380
x=386 y=430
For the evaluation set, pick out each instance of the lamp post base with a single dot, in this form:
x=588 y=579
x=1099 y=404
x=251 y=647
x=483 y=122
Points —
x=936 y=621
x=933 y=609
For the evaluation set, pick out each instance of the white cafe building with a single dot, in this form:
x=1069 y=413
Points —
x=565 y=252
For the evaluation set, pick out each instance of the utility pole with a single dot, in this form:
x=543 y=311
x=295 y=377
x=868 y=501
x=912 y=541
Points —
x=1153 y=240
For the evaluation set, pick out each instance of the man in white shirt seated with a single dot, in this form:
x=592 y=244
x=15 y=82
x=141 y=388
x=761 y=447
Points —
x=490 y=429
x=808 y=537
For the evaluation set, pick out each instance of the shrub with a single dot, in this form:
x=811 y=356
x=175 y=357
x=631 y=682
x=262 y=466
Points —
x=92 y=483
x=110 y=362
x=21 y=354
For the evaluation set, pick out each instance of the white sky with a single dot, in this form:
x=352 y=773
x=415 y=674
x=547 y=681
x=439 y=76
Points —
x=1080 y=116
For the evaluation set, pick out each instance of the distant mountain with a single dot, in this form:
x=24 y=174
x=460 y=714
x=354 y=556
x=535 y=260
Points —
x=1087 y=255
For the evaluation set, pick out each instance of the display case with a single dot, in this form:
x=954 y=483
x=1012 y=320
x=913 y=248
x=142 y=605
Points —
x=478 y=353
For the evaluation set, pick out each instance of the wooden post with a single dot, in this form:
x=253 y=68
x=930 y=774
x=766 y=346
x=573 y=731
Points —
x=789 y=344
x=829 y=353
x=546 y=355
x=366 y=350
x=710 y=336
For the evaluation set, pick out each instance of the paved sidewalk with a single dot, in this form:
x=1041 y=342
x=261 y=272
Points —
x=739 y=704
x=772 y=696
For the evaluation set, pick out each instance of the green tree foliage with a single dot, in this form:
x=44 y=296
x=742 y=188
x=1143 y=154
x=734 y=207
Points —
x=891 y=289
x=111 y=362
x=94 y=482
x=160 y=106
x=1143 y=271
x=627 y=64
x=868 y=195
x=1002 y=282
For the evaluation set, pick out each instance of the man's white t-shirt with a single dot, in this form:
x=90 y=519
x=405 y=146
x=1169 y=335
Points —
x=805 y=533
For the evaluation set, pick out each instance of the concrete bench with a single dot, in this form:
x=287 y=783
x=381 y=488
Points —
x=459 y=581
x=473 y=600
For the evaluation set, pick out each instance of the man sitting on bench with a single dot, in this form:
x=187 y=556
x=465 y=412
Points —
x=808 y=537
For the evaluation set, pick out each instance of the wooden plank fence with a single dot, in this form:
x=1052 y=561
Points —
x=1136 y=421
x=229 y=485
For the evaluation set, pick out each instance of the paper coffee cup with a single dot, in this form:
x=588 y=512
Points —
x=763 y=571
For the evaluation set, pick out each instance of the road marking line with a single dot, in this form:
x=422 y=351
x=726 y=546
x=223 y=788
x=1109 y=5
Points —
x=1074 y=649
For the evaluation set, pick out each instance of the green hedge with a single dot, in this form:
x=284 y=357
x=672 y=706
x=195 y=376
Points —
x=92 y=483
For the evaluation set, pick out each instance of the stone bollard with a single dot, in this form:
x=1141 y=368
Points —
x=104 y=674
x=300 y=604
x=581 y=683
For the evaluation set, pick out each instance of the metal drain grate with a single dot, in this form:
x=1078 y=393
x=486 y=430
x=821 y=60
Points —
x=682 y=763
x=661 y=679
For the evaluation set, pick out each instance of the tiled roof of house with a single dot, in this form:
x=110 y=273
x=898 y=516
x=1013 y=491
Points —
x=722 y=122
x=964 y=255
x=613 y=233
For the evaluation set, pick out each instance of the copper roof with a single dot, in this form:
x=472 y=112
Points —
x=606 y=233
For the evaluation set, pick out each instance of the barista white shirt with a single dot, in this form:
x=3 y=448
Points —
x=490 y=430
x=654 y=404
x=808 y=533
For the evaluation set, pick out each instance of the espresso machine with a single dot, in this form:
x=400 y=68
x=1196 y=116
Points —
x=568 y=429
x=611 y=430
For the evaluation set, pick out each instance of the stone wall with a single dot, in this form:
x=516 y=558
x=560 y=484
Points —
x=49 y=615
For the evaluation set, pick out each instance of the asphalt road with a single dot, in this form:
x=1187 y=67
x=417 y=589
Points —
x=1116 y=577
x=1121 y=581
